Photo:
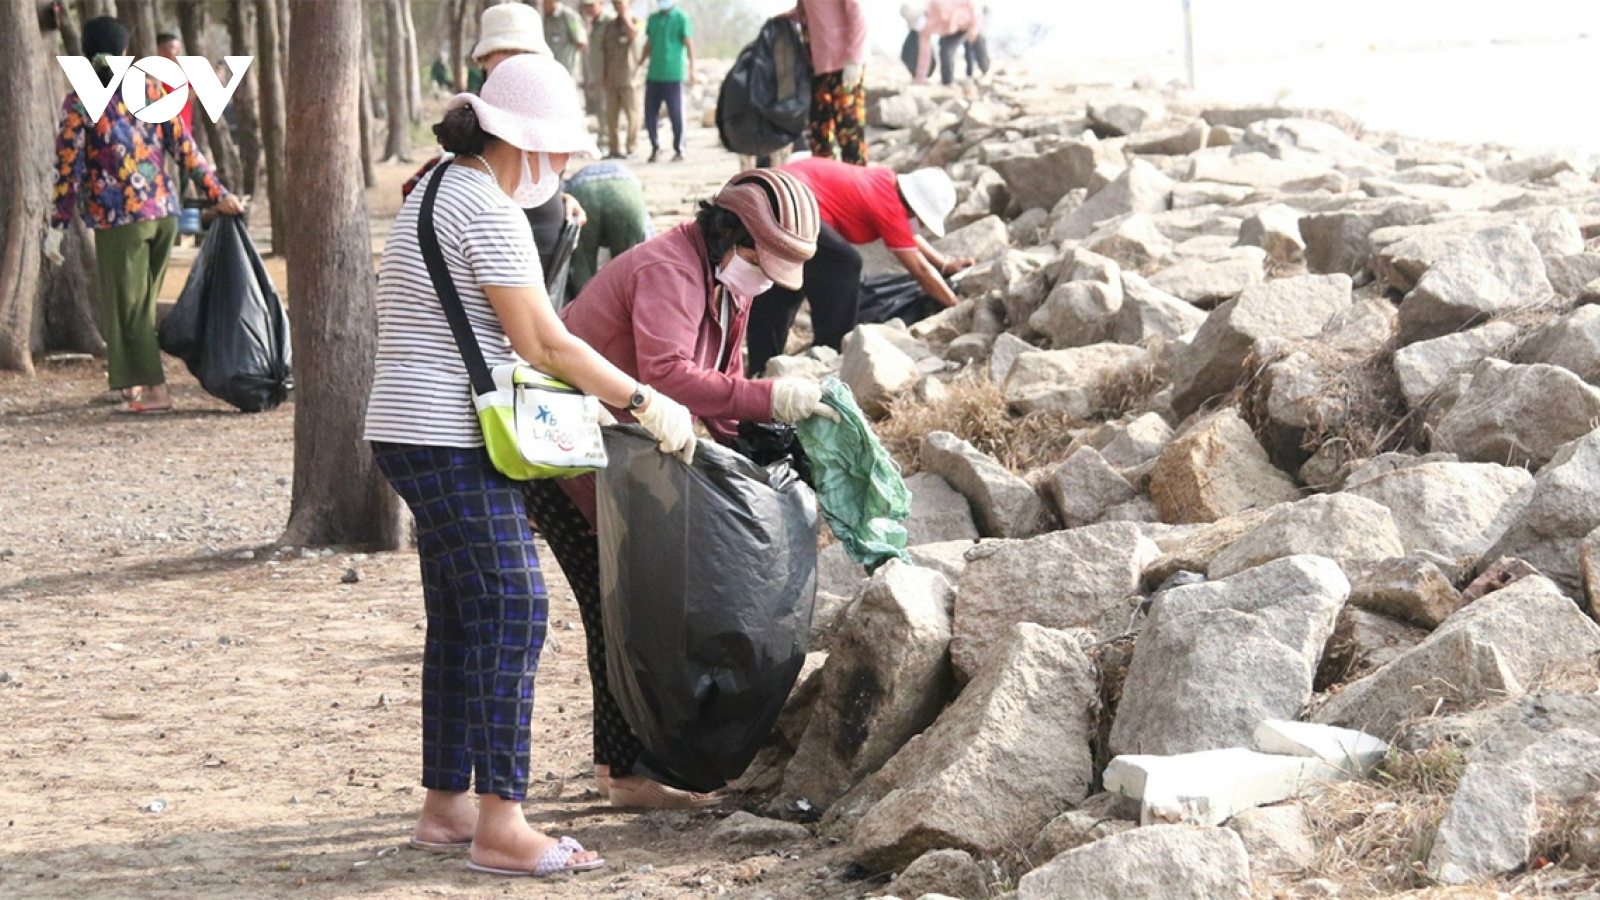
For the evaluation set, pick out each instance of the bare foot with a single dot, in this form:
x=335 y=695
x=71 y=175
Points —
x=505 y=840
x=448 y=817
x=638 y=792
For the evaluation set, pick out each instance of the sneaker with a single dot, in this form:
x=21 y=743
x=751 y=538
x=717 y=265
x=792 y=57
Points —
x=678 y=157
x=655 y=153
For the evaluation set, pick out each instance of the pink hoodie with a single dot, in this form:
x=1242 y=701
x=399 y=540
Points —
x=654 y=313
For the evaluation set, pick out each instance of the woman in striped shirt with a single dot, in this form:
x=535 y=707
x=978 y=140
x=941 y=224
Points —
x=482 y=586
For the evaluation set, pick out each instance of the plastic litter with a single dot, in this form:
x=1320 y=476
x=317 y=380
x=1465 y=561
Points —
x=858 y=483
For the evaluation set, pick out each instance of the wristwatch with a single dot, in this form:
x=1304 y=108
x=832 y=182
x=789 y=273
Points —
x=639 y=399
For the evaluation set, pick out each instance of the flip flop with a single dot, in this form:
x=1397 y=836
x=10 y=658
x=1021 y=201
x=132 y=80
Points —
x=140 y=408
x=553 y=862
x=655 y=795
x=439 y=846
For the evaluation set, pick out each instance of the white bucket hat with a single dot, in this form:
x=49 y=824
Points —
x=531 y=103
x=931 y=195
x=510 y=26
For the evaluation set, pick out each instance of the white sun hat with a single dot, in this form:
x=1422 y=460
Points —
x=510 y=26
x=530 y=102
x=931 y=195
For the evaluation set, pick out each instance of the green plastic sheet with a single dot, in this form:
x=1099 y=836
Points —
x=858 y=484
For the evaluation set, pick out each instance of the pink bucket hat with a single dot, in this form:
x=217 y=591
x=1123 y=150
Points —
x=530 y=102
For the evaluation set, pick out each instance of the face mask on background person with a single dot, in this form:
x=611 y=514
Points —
x=531 y=193
x=665 y=5
x=744 y=278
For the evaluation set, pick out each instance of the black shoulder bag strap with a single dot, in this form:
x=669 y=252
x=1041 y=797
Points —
x=466 y=340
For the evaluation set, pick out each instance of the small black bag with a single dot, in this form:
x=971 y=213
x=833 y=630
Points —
x=764 y=103
x=708 y=576
x=229 y=326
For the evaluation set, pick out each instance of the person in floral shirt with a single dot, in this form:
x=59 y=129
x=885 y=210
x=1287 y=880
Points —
x=116 y=168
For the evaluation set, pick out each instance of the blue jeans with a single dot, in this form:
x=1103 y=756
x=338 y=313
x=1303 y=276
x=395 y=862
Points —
x=670 y=93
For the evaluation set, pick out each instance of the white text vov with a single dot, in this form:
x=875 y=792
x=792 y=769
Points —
x=188 y=72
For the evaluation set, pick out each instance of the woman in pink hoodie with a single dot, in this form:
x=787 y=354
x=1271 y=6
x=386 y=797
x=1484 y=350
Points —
x=671 y=312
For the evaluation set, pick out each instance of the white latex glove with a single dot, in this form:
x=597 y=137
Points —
x=670 y=423
x=52 y=246
x=852 y=74
x=794 y=399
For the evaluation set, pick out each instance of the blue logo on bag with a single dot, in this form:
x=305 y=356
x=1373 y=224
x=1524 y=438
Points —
x=545 y=416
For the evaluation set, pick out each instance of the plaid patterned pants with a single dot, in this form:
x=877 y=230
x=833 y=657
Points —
x=486 y=607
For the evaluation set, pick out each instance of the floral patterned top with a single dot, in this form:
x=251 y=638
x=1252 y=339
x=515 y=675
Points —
x=119 y=164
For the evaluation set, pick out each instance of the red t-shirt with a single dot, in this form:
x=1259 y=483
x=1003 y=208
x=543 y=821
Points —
x=862 y=203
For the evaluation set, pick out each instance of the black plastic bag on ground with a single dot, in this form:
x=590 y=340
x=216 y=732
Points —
x=885 y=297
x=707 y=581
x=228 y=325
x=764 y=103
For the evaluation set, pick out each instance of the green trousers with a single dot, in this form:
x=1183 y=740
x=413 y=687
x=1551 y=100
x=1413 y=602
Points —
x=617 y=221
x=132 y=262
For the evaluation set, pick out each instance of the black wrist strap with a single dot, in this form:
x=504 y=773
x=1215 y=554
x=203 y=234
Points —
x=444 y=286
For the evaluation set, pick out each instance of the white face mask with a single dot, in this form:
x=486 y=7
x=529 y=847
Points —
x=665 y=5
x=532 y=193
x=744 y=278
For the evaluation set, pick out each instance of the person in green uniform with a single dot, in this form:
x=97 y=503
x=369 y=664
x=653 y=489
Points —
x=564 y=32
x=618 y=219
x=668 y=45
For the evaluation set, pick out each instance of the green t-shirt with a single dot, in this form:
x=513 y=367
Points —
x=667 y=30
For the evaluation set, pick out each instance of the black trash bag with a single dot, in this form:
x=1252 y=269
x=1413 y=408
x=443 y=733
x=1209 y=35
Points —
x=764 y=103
x=707 y=581
x=765 y=443
x=555 y=280
x=886 y=297
x=228 y=325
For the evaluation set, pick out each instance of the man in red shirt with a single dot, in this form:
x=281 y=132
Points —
x=858 y=205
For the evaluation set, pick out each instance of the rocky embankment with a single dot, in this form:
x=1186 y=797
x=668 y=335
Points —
x=1325 y=530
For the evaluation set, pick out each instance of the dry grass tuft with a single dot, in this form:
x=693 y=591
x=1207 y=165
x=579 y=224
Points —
x=974 y=409
x=1374 y=418
x=1374 y=836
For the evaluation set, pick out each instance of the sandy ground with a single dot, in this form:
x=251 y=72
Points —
x=189 y=710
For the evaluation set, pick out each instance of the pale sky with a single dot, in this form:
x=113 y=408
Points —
x=1122 y=28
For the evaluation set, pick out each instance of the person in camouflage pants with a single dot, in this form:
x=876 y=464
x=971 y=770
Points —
x=836 y=34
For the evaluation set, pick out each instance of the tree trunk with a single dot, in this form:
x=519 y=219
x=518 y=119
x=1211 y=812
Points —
x=398 y=146
x=139 y=16
x=94 y=9
x=192 y=19
x=369 y=172
x=413 y=66
x=269 y=60
x=458 y=30
x=64 y=314
x=71 y=33
x=247 y=122
x=24 y=181
x=339 y=497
